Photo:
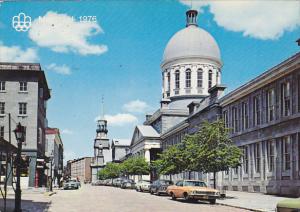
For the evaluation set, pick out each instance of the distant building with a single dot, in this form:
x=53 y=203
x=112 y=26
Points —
x=24 y=93
x=101 y=146
x=80 y=168
x=120 y=148
x=55 y=151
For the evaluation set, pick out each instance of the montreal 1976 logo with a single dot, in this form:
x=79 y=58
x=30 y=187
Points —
x=21 y=22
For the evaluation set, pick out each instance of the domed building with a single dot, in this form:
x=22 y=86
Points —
x=191 y=64
x=191 y=69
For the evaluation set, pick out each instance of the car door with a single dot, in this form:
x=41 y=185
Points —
x=178 y=188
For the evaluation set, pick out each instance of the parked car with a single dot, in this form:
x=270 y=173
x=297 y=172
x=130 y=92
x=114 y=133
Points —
x=71 y=184
x=193 y=190
x=143 y=185
x=160 y=186
x=288 y=205
x=127 y=183
x=117 y=182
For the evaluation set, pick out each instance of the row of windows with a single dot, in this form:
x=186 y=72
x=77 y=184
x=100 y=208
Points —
x=22 y=86
x=240 y=113
x=22 y=108
x=253 y=156
x=188 y=82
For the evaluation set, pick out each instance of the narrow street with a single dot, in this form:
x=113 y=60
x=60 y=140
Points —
x=100 y=198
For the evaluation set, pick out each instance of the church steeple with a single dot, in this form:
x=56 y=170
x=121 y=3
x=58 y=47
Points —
x=191 y=18
x=102 y=123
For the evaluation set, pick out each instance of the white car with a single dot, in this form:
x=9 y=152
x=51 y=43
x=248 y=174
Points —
x=143 y=185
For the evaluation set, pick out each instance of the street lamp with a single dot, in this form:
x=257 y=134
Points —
x=20 y=135
x=51 y=161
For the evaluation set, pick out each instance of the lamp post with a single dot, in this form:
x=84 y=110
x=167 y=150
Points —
x=51 y=161
x=19 y=133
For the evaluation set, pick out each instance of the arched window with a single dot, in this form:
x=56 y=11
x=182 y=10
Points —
x=177 y=79
x=188 y=78
x=200 y=78
x=209 y=78
x=217 y=77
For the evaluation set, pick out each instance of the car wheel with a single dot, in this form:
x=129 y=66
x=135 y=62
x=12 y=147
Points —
x=212 y=201
x=186 y=196
x=157 y=192
x=151 y=192
x=173 y=196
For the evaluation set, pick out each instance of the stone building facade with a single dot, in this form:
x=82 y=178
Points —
x=264 y=115
x=81 y=169
x=23 y=94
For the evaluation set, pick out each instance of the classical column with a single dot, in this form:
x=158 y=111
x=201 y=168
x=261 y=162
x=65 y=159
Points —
x=147 y=155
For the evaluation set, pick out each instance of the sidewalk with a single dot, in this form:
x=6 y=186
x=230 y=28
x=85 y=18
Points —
x=251 y=201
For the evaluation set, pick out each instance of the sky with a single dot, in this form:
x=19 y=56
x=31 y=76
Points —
x=116 y=53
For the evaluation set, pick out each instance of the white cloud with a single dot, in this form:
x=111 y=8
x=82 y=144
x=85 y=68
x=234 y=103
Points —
x=136 y=106
x=61 y=33
x=63 y=69
x=120 y=119
x=16 y=54
x=257 y=19
x=67 y=132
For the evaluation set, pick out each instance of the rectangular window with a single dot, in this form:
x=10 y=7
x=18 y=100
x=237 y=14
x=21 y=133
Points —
x=257 y=157
x=245 y=159
x=256 y=111
x=2 y=86
x=22 y=108
x=245 y=117
x=225 y=118
x=270 y=104
x=285 y=99
x=234 y=119
x=2 y=108
x=286 y=153
x=23 y=86
x=188 y=79
x=271 y=154
x=199 y=79
x=1 y=131
x=168 y=87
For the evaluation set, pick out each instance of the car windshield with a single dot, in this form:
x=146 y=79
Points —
x=165 y=182
x=194 y=183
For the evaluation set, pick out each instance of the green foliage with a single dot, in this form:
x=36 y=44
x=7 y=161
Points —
x=209 y=150
x=171 y=161
x=131 y=166
x=212 y=148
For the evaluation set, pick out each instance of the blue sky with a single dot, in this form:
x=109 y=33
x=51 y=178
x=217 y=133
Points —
x=119 y=56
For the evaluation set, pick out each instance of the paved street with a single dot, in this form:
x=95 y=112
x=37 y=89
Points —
x=100 y=198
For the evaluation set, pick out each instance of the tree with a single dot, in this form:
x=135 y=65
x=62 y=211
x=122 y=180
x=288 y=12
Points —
x=171 y=161
x=111 y=170
x=212 y=150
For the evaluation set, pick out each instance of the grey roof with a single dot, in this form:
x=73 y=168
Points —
x=147 y=131
x=121 y=142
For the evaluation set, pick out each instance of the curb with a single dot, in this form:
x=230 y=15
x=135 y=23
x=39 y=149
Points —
x=49 y=193
x=240 y=207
